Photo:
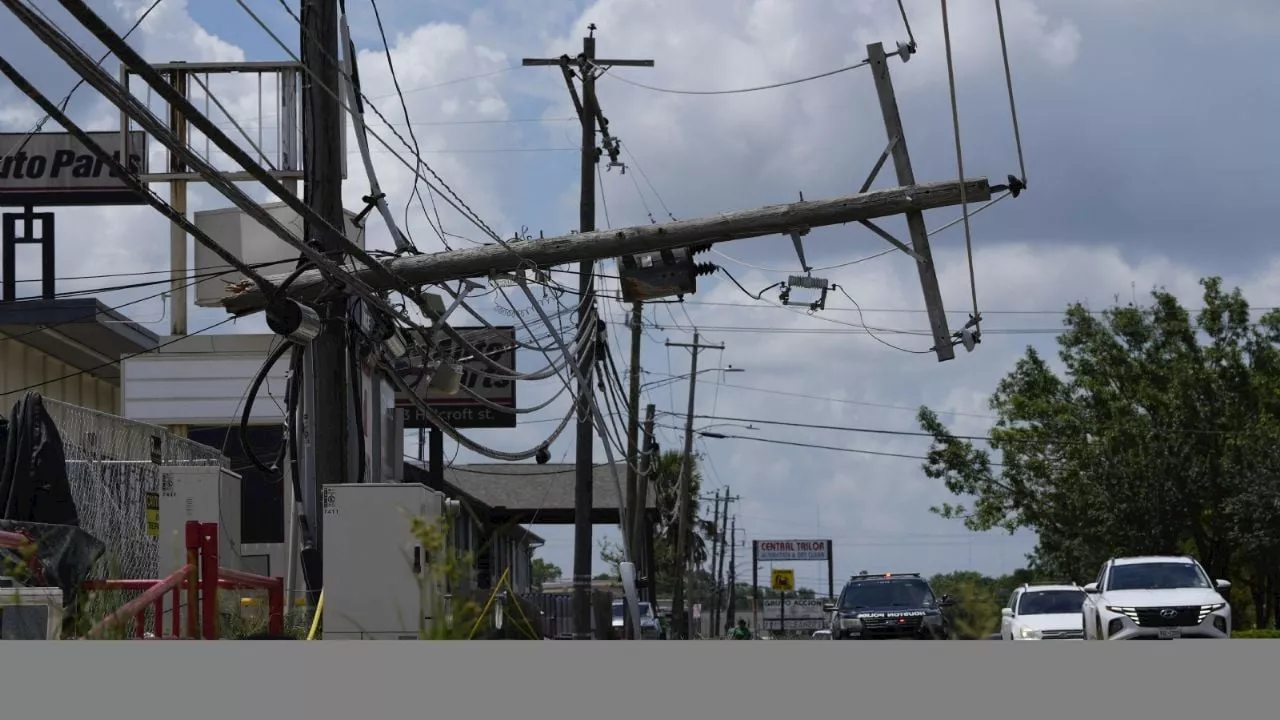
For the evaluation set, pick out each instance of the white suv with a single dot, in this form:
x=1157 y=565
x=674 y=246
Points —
x=1043 y=612
x=1155 y=597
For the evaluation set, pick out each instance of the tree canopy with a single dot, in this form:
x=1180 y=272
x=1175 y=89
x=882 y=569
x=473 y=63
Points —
x=1159 y=434
x=666 y=483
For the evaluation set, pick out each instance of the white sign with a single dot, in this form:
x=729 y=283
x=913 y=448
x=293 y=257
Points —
x=795 y=624
x=461 y=409
x=55 y=169
x=792 y=550
x=797 y=608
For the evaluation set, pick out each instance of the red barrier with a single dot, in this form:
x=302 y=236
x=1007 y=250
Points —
x=230 y=579
x=137 y=607
x=12 y=540
x=202 y=578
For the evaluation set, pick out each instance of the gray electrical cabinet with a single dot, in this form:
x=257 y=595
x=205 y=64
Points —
x=378 y=579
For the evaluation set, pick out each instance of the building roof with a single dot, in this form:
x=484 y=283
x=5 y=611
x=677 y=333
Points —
x=81 y=332
x=541 y=493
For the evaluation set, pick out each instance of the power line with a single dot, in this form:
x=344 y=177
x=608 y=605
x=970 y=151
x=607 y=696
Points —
x=757 y=88
x=122 y=358
x=67 y=99
x=841 y=401
x=857 y=451
x=854 y=330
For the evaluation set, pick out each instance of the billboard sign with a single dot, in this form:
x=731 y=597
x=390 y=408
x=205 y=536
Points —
x=792 y=550
x=462 y=410
x=795 y=623
x=55 y=169
x=797 y=609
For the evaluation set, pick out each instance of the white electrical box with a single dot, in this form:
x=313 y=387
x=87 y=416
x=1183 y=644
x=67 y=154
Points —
x=378 y=583
x=203 y=493
x=248 y=240
x=30 y=613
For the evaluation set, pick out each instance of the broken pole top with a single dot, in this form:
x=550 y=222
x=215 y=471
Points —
x=511 y=255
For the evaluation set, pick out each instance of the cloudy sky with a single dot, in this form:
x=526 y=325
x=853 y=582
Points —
x=1144 y=127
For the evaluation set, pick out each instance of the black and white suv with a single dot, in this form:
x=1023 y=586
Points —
x=889 y=606
x=1155 y=597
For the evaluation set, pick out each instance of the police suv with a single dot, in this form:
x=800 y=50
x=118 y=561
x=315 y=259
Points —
x=889 y=606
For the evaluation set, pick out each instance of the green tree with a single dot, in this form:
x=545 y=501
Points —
x=1162 y=435
x=666 y=483
x=545 y=572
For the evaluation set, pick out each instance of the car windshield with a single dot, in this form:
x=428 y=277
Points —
x=1156 y=576
x=886 y=593
x=1050 y=602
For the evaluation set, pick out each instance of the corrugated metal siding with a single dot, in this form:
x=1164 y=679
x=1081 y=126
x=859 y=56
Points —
x=199 y=389
x=22 y=366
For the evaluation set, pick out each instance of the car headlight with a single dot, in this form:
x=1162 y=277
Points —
x=850 y=623
x=1129 y=612
x=1029 y=633
x=1205 y=610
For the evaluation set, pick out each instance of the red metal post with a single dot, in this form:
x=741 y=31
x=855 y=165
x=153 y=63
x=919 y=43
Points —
x=209 y=580
x=176 y=619
x=193 y=580
x=275 y=606
x=158 y=622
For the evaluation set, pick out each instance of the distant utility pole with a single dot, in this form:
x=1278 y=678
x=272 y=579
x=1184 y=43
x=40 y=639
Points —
x=721 y=528
x=635 y=512
x=639 y=515
x=588 y=68
x=682 y=493
x=327 y=408
x=733 y=573
x=715 y=544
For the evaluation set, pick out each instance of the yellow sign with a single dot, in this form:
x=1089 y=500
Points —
x=153 y=514
x=783 y=580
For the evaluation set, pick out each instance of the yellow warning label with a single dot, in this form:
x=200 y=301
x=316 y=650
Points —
x=153 y=514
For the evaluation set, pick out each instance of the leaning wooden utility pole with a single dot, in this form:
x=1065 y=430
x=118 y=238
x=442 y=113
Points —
x=897 y=148
x=680 y=563
x=588 y=67
x=509 y=256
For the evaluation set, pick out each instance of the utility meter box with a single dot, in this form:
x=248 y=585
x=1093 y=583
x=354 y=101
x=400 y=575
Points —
x=204 y=493
x=379 y=582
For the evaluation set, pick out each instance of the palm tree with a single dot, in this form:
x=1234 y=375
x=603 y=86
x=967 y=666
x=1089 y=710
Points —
x=666 y=486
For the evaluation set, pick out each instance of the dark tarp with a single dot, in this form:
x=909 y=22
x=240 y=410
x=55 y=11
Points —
x=34 y=486
x=36 y=500
x=64 y=556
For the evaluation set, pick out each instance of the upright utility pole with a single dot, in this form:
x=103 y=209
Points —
x=635 y=512
x=327 y=407
x=733 y=573
x=721 y=529
x=715 y=544
x=640 y=519
x=588 y=67
x=681 y=560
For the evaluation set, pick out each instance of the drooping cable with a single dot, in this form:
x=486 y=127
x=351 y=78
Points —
x=964 y=201
x=1008 y=81
x=66 y=101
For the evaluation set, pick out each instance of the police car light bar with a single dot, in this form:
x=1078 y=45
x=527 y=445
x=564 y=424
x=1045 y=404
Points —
x=886 y=575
